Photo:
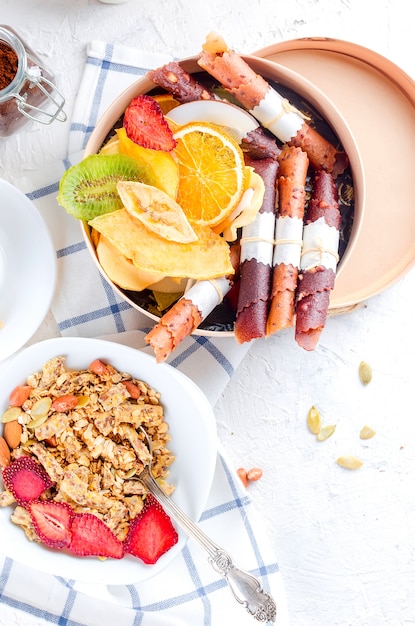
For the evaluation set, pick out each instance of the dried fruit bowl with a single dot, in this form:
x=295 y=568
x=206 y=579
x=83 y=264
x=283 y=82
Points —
x=329 y=121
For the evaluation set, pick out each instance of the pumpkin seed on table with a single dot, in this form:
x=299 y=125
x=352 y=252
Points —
x=314 y=420
x=326 y=432
x=365 y=372
x=349 y=462
x=367 y=432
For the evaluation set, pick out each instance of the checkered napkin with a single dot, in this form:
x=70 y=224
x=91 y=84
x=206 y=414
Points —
x=188 y=591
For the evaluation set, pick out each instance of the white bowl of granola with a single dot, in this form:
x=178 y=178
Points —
x=84 y=474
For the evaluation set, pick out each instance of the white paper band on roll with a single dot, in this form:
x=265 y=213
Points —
x=206 y=294
x=278 y=115
x=320 y=245
x=288 y=241
x=257 y=240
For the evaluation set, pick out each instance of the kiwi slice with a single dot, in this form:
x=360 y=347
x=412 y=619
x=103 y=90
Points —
x=89 y=188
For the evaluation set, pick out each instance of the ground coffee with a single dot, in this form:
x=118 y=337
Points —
x=8 y=65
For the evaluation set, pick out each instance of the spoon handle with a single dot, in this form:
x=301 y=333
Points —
x=246 y=589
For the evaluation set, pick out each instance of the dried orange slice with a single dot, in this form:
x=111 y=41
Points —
x=211 y=172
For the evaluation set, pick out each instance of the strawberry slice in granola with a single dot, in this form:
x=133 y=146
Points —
x=92 y=537
x=151 y=533
x=52 y=522
x=26 y=479
x=145 y=124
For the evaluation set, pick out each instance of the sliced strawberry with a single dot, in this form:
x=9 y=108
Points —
x=52 y=522
x=151 y=533
x=26 y=479
x=145 y=124
x=92 y=537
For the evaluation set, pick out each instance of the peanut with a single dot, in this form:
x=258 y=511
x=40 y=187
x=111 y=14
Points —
x=64 y=403
x=242 y=475
x=19 y=395
x=254 y=474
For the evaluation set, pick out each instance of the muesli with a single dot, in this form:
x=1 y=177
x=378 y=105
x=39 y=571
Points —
x=78 y=449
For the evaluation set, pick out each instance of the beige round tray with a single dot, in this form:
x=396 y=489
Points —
x=378 y=101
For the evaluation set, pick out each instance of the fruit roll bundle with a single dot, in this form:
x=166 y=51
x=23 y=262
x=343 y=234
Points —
x=292 y=173
x=179 y=83
x=318 y=260
x=274 y=111
x=184 y=88
x=190 y=310
x=257 y=244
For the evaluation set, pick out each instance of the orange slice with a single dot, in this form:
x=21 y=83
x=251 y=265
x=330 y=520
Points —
x=211 y=173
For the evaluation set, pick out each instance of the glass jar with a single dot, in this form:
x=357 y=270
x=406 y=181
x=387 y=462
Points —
x=27 y=91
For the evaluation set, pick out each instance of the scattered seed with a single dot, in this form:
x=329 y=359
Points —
x=326 y=432
x=254 y=474
x=367 y=432
x=11 y=414
x=365 y=372
x=241 y=471
x=314 y=420
x=349 y=462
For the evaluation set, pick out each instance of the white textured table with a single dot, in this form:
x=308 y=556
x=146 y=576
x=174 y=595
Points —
x=345 y=540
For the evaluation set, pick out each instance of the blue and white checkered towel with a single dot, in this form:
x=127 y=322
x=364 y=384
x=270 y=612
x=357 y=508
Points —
x=188 y=591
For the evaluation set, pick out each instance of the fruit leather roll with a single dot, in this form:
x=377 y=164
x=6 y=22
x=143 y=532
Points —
x=274 y=111
x=293 y=167
x=184 y=88
x=318 y=261
x=190 y=310
x=179 y=83
x=257 y=244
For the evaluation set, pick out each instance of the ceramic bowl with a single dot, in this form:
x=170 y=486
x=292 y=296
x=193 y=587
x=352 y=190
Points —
x=303 y=94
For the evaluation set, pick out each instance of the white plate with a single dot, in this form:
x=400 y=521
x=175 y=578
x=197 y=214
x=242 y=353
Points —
x=27 y=269
x=193 y=429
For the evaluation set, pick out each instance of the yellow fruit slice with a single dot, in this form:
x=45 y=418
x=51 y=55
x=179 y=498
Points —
x=211 y=173
x=162 y=164
x=206 y=258
x=166 y=102
x=111 y=147
x=156 y=210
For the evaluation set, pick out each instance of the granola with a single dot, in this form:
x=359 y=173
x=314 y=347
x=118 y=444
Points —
x=81 y=426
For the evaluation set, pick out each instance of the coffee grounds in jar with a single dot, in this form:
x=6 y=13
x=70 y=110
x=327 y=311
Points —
x=8 y=65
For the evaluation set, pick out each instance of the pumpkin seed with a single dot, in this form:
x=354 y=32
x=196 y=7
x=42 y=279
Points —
x=326 y=432
x=367 y=432
x=40 y=408
x=314 y=420
x=365 y=372
x=11 y=414
x=349 y=462
x=38 y=421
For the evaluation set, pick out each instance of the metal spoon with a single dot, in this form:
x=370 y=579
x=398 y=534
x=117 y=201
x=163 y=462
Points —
x=246 y=589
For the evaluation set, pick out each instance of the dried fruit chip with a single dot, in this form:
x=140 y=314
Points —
x=156 y=211
x=164 y=168
x=212 y=172
x=206 y=258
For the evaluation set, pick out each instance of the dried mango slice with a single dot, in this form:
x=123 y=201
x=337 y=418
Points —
x=206 y=258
